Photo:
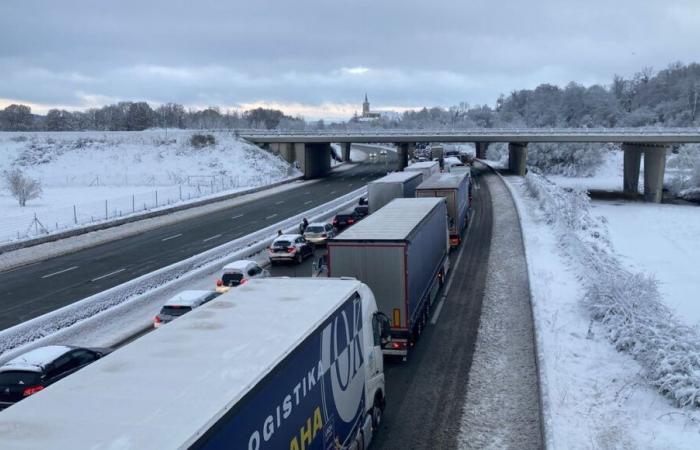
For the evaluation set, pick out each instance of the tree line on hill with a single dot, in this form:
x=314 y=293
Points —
x=138 y=116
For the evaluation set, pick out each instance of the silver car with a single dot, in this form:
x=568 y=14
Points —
x=318 y=233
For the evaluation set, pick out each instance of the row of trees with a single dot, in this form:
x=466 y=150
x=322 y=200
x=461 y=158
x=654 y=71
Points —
x=667 y=98
x=137 y=116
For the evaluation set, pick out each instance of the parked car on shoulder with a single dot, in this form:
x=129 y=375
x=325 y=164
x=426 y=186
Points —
x=344 y=219
x=290 y=247
x=318 y=233
x=33 y=371
x=181 y=304
x=239 y=272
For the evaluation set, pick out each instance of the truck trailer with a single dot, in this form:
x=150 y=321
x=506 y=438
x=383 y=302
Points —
x=455 y=188
x=401 y=253
x=395 y=185
x=276 y=363
x=427 y=168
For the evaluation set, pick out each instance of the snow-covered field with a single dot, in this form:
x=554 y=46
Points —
x=615 y=357
x=111 y=174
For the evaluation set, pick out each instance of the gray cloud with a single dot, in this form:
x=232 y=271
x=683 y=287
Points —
x=311 y=53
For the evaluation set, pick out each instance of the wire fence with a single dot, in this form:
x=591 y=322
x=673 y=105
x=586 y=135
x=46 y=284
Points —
x=30 y=225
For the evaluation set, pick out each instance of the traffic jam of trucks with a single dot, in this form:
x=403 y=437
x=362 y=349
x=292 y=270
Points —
x=275 y=362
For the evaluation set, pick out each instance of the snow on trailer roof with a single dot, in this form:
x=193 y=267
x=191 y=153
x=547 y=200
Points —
x=393 y=222
x=162 y=390
x=36 y=359
x=394 y=177
x=422 y=165
x=444 y=180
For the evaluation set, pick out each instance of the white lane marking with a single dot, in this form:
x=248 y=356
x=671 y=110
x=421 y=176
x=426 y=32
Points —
x=307 y=202
x=270 y=216
x=171 y=237
x=238 y=216
x=279 y=202
x=333 y=192
x=307 y=192
x=436 y=314
x=109 y=274
x=212 y=237
x=349 y=184
x=49 y=275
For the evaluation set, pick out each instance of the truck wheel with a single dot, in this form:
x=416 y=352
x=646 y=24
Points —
x=376 y=415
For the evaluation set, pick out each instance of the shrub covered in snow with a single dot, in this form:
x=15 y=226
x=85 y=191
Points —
x=573 y=160
x=627 y=304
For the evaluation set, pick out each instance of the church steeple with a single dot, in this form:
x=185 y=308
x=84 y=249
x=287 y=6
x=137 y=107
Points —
x=365 y=107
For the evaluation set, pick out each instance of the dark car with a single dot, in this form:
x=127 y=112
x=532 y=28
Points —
x=33 y=371
x=344 y=219
x=362 y=211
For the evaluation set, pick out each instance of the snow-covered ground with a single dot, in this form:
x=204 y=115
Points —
x=605 y=366
x=663 y=240
x=111 y=174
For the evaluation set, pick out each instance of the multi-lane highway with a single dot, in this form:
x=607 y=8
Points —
x=36 y=289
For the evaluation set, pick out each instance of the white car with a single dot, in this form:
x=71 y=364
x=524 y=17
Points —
x=382 y=152
x=372 y=155
x=318 y=233
x=289 y=247
x=237 y=273
x=181 y=304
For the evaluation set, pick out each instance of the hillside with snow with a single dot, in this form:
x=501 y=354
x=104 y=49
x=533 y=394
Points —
x=111 y=174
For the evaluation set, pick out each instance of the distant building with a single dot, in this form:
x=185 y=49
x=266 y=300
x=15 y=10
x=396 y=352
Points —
x=366 y=113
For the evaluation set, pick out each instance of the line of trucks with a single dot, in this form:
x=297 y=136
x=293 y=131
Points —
x=292 y=363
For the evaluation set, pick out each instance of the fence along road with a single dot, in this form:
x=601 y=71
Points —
x=31 y=291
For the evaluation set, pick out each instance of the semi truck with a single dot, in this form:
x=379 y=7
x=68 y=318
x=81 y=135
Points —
x=427 y=168
x=276 y=363
x=395 y=185
x=401 y=253
x=455 y=188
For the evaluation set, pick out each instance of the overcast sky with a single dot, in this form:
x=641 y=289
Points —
x=318 y=58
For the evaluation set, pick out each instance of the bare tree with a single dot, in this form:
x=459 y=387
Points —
x=22 y=187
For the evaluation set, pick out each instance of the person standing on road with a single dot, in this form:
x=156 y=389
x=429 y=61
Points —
x=304 y=224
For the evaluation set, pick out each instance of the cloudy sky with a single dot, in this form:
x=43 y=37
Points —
x=318 y=58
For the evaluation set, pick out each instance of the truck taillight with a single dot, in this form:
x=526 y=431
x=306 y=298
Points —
x=398 y=345
x=31 y=390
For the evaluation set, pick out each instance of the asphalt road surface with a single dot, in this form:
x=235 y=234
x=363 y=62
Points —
x=29 y=291
x=425 y=394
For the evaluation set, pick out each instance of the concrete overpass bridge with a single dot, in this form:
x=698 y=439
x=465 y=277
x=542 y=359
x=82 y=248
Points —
x=312 y=148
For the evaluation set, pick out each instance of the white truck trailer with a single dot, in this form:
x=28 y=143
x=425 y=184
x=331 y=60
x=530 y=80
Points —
x=401 y=253
x=455 y=189
x=427 y=168
x=395 y=185
x=276 y=363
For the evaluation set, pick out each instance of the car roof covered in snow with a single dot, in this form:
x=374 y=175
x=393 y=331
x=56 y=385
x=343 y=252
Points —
x=188 y=298
x=393 y=222
x=287 y=237
x=394 y=177
x=163 y=390
x=241 y=264
x=35 y=360
x=446 y=180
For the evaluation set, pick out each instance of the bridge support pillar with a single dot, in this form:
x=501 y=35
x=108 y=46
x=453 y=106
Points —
x=402 y=150
x=517 y=158
x=314 y=159
x=481 y=149
x=632 y=162
x=346 y=146
x=284 y=150
x=654 y=168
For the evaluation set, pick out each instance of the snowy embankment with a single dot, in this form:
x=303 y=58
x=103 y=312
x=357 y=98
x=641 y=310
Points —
x=98 y=176
x=618 y=368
